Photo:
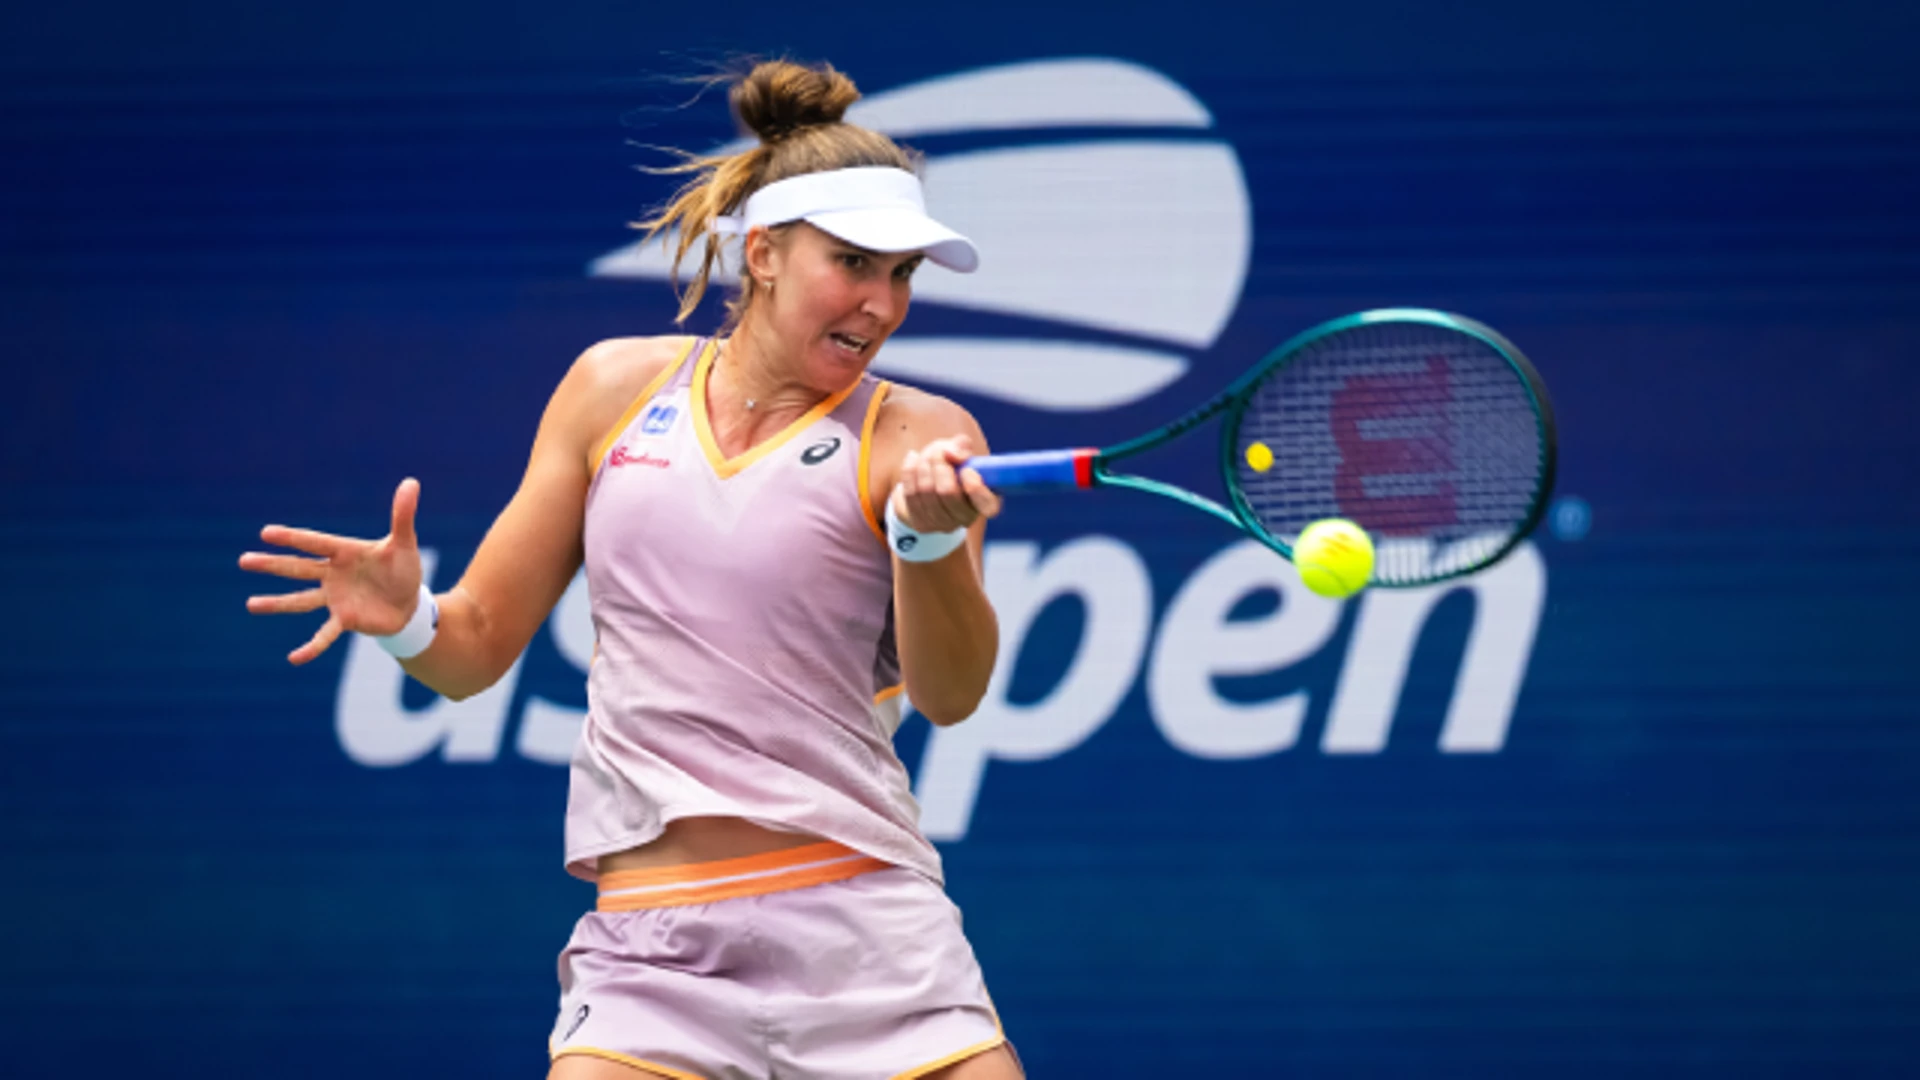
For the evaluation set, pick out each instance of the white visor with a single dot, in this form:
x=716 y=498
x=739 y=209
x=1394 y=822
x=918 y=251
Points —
x=877 y=208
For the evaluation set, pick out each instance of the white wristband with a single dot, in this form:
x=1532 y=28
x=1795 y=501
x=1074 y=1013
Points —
x=912 y=545
x=413 y=638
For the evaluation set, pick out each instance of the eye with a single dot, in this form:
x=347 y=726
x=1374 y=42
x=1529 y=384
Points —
x=905 y=270
x=853 y=260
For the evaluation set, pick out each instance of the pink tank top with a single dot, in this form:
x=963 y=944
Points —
x=744 y=610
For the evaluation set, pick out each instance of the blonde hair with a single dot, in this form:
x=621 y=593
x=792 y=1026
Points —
x=795 y=111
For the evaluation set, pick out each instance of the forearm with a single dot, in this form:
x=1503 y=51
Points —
x=468 y=653
x=947 y=634
x=522 y=567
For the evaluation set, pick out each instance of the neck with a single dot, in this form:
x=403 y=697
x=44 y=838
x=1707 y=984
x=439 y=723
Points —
x=750 y=377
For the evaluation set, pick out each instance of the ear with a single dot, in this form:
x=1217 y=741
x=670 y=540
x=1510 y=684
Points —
x=762 y=253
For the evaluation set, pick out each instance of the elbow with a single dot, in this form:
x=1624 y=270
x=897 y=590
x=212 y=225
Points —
x=946 y=685
x=461 y=691
x=943 y=717
x=949 y=708
x=457 y=693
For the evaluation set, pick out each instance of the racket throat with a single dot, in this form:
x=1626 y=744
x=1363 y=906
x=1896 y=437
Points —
x=1103 y=478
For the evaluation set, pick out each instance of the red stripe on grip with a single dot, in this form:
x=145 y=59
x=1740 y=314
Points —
x=1083 y=467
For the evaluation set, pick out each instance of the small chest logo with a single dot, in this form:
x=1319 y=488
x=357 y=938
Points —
x=658 y=419
x=623 y=456
x=820 y=451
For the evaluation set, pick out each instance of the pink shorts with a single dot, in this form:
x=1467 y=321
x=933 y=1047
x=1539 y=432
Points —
x=813 y=962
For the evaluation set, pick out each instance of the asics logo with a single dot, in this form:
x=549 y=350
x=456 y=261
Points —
x=1063 y=230
x=820 y=451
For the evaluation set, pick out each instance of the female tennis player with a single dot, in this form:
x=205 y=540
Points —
x=767 y=903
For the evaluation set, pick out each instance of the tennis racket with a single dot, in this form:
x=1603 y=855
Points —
x=1429 y=430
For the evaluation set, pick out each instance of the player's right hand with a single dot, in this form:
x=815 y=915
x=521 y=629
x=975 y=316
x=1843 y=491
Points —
x=368 y=586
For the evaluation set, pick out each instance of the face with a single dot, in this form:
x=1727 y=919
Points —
x=833 y=305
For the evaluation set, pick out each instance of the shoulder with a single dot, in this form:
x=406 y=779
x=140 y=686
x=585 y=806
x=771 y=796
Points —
x=914 y=417
x=625 y=365
x=598 y=388
x=605 y=379
x=909 y=419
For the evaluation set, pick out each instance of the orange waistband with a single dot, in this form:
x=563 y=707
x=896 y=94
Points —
x=730 y=879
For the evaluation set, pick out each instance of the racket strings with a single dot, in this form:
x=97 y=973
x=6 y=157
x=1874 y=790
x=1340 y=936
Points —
x=1427 y=437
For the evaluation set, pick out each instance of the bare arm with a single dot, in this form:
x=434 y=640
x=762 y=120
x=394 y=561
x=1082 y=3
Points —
x=523 y=565
x=946 y=629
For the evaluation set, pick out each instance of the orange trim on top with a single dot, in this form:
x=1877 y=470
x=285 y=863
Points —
x=890 y=693
x=725 y=467
x=729 y=879
x=620 y=426
x=695 y=873
x=780 y=881
x=866 y=455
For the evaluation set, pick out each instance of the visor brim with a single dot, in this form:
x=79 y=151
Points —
x=896 y=229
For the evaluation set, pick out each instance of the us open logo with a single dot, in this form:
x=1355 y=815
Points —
x=1144 y=241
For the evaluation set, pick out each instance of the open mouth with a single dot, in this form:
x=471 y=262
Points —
x=852 y=344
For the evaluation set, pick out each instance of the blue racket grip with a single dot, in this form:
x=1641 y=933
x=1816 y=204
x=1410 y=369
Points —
x=1036 y=470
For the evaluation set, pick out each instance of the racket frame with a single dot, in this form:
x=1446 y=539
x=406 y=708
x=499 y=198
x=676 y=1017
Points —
x=1242 y=392
x=1090 y=467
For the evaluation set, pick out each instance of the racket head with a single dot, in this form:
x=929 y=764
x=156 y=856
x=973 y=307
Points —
x=1428 y=429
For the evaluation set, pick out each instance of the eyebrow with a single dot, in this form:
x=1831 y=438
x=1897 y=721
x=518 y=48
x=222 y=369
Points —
x=918 y=256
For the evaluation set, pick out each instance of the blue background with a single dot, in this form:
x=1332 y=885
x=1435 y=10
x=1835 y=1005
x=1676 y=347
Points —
x=260 y=261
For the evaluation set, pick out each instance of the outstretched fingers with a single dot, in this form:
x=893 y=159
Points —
x=326 y=636
x=286 y=566
x=297 y=603
x=406 y=503
x=325 y=545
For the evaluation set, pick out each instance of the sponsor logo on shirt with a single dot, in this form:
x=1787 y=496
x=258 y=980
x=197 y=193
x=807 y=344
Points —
x=658 y=419
x=623 y=456
x=820 y=451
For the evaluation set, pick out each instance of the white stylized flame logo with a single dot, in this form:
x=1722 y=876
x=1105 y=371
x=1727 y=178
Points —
x=1144 y=237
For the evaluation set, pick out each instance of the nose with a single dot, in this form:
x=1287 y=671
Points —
x=879 y=302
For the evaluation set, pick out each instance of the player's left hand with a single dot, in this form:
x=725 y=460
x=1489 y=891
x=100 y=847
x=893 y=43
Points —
x=933 y=496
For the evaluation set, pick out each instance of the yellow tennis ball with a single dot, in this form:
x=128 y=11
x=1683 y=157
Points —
x=1260 y=456
x=1334 y=556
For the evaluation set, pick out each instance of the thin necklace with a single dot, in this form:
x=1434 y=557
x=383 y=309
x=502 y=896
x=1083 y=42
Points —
x=725 y=347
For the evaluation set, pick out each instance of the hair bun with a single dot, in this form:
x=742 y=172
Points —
x=779 y=97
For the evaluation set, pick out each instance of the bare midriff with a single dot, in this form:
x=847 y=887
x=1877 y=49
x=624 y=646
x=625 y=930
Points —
x=703 y=839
